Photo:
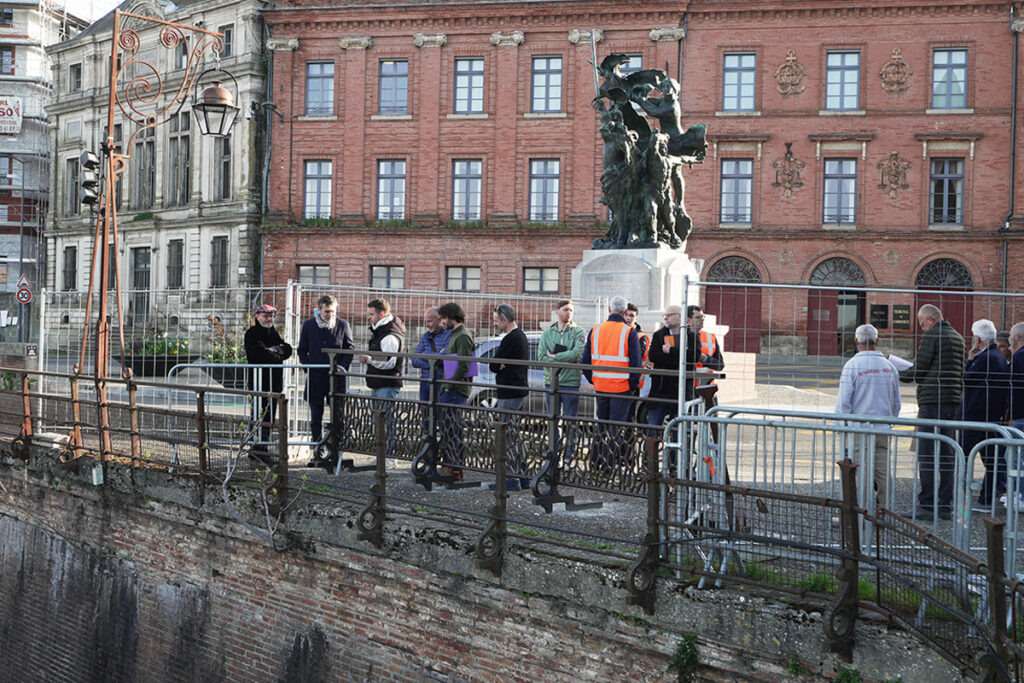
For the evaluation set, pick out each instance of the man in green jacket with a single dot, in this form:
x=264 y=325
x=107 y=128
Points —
x=563 y=343
x=938 y=370
x=456 y=389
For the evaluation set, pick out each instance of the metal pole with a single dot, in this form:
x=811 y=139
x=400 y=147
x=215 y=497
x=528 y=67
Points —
x=21 y=250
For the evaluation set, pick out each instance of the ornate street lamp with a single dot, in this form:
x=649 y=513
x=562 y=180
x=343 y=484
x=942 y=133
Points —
x=215 y=110
x=143 y=102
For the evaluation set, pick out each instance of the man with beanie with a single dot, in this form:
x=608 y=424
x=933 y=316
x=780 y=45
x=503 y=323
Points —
x=264 y=346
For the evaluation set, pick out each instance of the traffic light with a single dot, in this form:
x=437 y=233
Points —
x=89 y=180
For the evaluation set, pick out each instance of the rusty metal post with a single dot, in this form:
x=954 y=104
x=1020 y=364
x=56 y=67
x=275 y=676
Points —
x=281 y=468
x=644 y=572
x=204 y=447
x=133 y=413
x=22 y=444
x=842 y=613
x=370 y=521
x=490 y=545
x=106 y=449
x=995 y=662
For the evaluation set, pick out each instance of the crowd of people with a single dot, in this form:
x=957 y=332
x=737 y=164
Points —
x=612 y=356
x=983 y=383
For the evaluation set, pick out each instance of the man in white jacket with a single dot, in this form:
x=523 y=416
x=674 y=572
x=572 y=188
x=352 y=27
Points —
x=870 y=385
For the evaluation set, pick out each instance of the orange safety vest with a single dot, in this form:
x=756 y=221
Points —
x=608 y=346
x=708 y=345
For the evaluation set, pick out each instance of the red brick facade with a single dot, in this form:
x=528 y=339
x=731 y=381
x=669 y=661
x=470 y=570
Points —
x=892 y=234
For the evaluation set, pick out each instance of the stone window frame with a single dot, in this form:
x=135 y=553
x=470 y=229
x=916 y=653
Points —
x=722 y=192
x=392 y=185
x=945 y=178
x=838 y=175
x=843 y=70
x=741 y=71
x=542 y=75
x=467 y=183
x=542 y=277
x=322 y=180
x=390 y=85
x=320 y=88
x=545 y=186
x=69 y=268
x=387 y=276
x=470 y=83
x=464 y=277
x=949 y=104
x=175 y=267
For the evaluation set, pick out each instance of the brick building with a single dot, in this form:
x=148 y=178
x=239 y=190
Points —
x=864 y=143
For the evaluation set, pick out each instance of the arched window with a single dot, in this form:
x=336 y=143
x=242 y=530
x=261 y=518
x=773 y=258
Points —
x=945 y=273
x=838 y=272
x=734 y=269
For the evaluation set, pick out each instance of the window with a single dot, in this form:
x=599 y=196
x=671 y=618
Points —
x=228 y=41
x=120 y=177
x=840 y=201
x=949 y=79
x=387 y=277
x=6 y=59
x=181 y=55
x=112 y=270
x=738 y=75
x=319 y=88
x=6 y=170
x=219 y=262
x=6 y=17
x=469 y=86
x=737 y=190
x=318 y=189
x=947 y=191
x=544 y=190
x=74 y=78
x=842 y=89
x=462 y=278
x=139 y=301
x=540 y=280
x=5 y=213
x=179 y=152
x=394 y=87
x=390 y=190
x=71 y=203
x=69 y=273
x=222 y=168
x=145 y=170
x=319 y=274
x=546 y=85
x=175 y=264
x=466 y=177
x=73 y=129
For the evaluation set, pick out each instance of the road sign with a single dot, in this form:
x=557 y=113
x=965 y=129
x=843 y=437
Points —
x=24 y=295
x=23 y=282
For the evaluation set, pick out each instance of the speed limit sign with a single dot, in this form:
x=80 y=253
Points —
x=24 y=295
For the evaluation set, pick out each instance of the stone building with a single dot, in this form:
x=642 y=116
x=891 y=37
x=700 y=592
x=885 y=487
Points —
x=864 y=143
x=189 y=205
x=26 y=28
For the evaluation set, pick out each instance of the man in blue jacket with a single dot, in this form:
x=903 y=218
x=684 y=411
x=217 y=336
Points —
x=986 y=394
x=433 y=341
x=323 y=330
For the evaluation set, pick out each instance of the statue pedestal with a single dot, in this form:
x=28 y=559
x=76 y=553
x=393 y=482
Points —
x=650 y=278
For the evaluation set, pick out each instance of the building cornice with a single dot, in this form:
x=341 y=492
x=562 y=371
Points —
x=765 y=10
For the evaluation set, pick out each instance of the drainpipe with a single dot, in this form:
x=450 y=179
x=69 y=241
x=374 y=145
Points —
x=679 y=53
x=1013 y=161
x=268 y=121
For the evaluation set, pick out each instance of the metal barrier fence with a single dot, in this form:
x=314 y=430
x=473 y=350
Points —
x=709 y=520
x=795 y=452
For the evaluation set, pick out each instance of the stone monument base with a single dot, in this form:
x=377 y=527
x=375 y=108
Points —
x=653 y=279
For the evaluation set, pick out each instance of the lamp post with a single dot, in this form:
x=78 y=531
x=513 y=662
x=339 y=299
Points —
x=145 y=104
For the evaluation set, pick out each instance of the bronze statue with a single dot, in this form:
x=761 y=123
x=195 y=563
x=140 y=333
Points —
x=643 y=180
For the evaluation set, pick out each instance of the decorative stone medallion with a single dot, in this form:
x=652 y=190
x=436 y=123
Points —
x=894 y=174
x=896 y=73
x=790 y=75
x=787 y=172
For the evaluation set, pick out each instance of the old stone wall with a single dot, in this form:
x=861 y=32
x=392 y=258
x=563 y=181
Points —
x=135 y=580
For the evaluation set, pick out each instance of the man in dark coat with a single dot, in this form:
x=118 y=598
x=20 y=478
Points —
x=264 y=346
x=324 y=330
x=986 y=395
x=938 y=370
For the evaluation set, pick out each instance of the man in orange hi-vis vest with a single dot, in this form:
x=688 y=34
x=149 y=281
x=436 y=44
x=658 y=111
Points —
x=710 y=349
x=612 y=344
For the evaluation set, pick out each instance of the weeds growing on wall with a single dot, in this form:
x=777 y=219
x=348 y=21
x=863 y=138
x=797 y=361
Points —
x=685 y=662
